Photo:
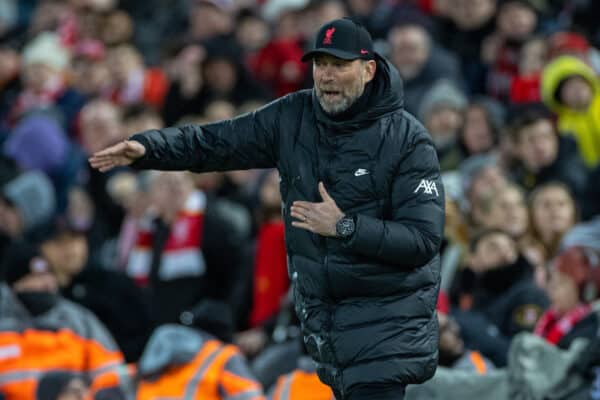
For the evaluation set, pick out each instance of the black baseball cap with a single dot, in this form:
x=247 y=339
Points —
x=342 y=38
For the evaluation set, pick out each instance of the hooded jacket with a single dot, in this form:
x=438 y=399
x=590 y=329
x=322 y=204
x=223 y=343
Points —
x=367 y=304
x=584 y=125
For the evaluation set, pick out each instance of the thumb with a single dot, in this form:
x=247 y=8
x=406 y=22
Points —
x=324 y=195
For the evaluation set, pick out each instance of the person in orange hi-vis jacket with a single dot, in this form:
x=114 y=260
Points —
x=196 y=363
x=301 y=384
x=41 y=332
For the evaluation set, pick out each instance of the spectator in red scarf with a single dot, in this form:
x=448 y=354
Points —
x=574 y=282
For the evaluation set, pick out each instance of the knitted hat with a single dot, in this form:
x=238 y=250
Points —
x=443 y=93
x=212 y=316
x=33 y=195
x=20 y=260
x=46 y=49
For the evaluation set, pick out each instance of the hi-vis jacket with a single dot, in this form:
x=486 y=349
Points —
x=185 y=364
x=67 y=337
x=301 y=384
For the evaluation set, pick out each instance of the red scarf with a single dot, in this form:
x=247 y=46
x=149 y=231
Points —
x=182 y=255
x=553 y=328
x=270 y=273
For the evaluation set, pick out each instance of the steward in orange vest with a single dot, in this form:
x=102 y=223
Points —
x=187 y=363
x=41 y=332
x=301 y=384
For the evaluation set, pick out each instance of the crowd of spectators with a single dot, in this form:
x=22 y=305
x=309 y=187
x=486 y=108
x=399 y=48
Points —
x=142 y=284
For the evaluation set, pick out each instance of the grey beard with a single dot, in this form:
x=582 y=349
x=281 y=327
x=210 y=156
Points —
x=342 y=105
x=336 y=108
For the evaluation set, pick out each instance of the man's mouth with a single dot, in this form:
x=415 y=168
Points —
x=331 y=93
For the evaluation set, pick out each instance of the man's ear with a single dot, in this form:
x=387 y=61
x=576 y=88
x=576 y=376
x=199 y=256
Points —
x=370 y=68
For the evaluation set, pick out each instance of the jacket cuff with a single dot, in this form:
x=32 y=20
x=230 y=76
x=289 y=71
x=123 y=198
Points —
x=367 y=235
x=142 y=162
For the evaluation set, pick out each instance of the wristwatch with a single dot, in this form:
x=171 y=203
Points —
x=345 y=227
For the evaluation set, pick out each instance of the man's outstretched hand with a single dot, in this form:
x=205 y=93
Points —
x=121 y=154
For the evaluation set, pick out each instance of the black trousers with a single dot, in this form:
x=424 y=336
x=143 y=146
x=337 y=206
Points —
x=375 y=392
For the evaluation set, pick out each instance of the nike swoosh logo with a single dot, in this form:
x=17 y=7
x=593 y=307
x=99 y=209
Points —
x=364 y=52
x=361 y=172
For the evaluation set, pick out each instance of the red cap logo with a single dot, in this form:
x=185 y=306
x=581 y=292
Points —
x=363 y=51
x=328 y=35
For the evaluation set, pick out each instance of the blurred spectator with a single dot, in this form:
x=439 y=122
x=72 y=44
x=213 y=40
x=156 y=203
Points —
x=134 y=82
x=117 y=28
x=138 y=117
x=452 y=350
x=420 y=61
x=38 y=142
x=10 y=61
x=44 y=64
x=27 y=203
x=479 y=175
x=516 y=22
x=574 y=283
x=219 y=110
x=129 y=191
x=46 y=331
x=90 y=73
x=101 y=124
x=525 y=86
x=591 y=195
x=302 y=383
x=224 y=76
x=543 y=155
x=463 y=31
x=210 y=18
x=184 y=96
x=60 y=385
x=576 y=45
x=188 y=251
x=441 y=111
x=571 y=89
x=278 y=64
x=252 y=32
x=497 y=295
x=270 y=279
x=482 y=120
x=109 y=294
x=553 y=212
x=196 y=362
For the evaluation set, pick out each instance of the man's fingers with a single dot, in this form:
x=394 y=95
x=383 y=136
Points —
x=303 y=205
x=324 y=195
x=302 y=225
x=298 y=215
x=112 y=150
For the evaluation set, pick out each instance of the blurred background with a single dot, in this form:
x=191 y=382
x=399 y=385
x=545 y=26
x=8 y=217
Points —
x=508 y=89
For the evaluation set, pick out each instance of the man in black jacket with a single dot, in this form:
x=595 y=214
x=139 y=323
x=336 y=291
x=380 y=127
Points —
x=363 y=206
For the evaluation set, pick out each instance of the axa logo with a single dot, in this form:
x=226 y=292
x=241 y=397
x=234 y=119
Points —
x=428 y=187
x=328 y=35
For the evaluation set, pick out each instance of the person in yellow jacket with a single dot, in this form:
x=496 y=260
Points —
x=571 y=89
x=41 y=332
x=187 y=363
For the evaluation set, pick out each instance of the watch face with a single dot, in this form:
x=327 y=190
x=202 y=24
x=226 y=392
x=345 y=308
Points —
x=345 y=226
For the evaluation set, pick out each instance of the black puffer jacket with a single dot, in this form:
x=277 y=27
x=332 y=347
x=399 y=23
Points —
x=367 y=306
